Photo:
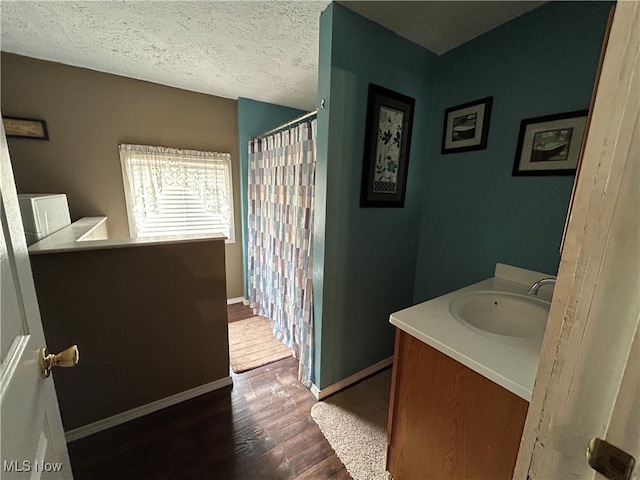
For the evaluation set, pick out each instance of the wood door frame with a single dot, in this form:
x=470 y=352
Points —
x=611 y=147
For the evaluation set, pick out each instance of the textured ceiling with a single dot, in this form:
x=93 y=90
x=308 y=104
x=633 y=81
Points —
x=264 y=50
x=441 y=26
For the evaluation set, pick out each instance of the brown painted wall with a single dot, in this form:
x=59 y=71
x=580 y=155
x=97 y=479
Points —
x=149 y=321
x=88 y=114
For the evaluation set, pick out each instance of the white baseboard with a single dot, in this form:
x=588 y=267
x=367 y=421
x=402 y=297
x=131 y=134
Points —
x=356 y=377
x=138 y=412
x=231 y=301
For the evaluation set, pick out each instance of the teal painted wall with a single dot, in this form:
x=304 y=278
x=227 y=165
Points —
x=254 y=118
x=320 y=226
x=364 y=258
x=463 y=212
x=474 y=212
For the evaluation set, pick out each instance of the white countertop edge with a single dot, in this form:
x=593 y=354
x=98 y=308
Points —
x=67 y=239
x=512 y=365
x=514 y=387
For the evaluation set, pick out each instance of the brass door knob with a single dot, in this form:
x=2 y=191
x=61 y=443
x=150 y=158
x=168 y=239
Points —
x=66 y=358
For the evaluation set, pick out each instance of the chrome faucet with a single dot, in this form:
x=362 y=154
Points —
x=536 y=286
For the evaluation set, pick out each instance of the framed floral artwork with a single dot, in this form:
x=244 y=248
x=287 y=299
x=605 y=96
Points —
x=550 y=145
x=466 y=126
x=386 y=149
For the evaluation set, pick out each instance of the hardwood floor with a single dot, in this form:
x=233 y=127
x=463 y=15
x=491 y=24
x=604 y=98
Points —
x=259 y=429
x=238 y=311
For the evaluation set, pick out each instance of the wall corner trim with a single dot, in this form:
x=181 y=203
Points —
x=350 y=380
x=143 y=410
x=231 y=301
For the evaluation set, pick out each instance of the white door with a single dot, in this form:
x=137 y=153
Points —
x=587 y=384
x=33 y=443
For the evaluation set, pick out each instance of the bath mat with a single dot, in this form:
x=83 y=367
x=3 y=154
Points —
x=354 y=422
x=252 y=345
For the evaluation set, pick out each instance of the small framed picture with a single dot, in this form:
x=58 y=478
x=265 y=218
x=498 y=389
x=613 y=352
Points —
x=550 y=145
x=466 y=126
x=386 y=149
x=25 y=128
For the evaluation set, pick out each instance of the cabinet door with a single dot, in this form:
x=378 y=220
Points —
x=447 y=421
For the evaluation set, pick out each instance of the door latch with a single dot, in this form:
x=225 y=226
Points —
x=609 y=460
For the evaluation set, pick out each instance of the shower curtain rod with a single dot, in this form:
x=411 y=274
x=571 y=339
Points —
x=292 y=122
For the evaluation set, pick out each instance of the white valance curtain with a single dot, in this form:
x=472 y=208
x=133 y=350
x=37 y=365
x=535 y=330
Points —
x=148 y=171
x=280 y=234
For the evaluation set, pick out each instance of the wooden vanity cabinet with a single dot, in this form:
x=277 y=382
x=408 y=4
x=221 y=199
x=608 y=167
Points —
x=447 y=421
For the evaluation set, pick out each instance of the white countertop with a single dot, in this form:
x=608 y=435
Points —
x=511 y=362
x=72 y=238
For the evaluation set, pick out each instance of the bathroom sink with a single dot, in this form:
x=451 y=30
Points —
x=501 y=313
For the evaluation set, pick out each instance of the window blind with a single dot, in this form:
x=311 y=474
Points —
x=177 y=192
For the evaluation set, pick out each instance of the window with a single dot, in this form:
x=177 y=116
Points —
x=177 y=192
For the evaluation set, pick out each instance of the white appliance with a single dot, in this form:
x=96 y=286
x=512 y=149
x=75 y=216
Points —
x=43 y=214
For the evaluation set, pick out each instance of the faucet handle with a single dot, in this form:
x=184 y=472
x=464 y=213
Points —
x=544 y=281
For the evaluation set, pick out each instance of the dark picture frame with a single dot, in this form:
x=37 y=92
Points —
x=25 y=128
x=550 y=145
x=386 y=148
x=466 y=126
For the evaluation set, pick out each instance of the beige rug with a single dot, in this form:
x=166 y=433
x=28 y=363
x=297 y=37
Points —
x=252 y=345
x=354 y=422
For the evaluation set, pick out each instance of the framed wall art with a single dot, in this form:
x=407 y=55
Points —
x=25 y=128
x=550 y=145
x=466 y=126
x=386 y=149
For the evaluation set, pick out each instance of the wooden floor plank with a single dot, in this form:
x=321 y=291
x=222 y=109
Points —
x=238 y=311
x=259 y=429
x=329 y=468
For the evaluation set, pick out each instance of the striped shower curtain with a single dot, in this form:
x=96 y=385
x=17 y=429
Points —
x=280 y=230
